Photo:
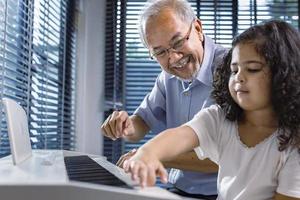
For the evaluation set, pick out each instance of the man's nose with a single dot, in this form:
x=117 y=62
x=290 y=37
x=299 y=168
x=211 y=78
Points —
x=173 y=55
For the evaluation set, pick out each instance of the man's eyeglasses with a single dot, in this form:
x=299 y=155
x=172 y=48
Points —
x=176 y=46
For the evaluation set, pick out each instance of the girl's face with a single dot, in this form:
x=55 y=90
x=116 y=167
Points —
x=250 y=79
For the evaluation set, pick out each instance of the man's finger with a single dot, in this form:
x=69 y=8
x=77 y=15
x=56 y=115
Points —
x=105 y=123
x=120 y=121
x=128 y=127
x=113 y=136
x=109 y=133
x=112 y=124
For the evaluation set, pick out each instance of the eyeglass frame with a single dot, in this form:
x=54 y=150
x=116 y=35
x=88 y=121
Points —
x=184 y=39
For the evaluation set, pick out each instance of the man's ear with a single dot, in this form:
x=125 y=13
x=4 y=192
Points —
x=198 y=27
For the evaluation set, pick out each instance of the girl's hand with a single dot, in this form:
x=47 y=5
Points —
x=144 y=168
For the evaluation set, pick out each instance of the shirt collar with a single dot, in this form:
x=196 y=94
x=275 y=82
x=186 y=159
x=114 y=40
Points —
x=205 y=74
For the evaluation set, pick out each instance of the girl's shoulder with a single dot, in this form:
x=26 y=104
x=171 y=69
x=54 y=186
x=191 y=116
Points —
x=214 y=110
x=214 y=114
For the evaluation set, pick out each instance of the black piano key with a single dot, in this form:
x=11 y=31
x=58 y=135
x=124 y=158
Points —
x=85 y=169
x=100 y=175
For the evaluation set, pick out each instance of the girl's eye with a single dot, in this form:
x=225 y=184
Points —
x=254 y=70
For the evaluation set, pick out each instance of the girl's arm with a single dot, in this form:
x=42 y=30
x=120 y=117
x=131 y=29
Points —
x=283 y=197
x=190 y=161
x=146 y=164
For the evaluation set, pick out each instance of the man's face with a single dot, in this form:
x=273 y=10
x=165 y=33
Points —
x=167 y=30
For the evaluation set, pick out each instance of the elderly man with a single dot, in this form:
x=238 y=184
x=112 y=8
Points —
x=175 y=39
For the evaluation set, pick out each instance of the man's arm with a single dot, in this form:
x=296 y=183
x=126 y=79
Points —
x=190 y=161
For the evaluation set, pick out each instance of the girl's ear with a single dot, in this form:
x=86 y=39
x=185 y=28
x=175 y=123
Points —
x=198 y=27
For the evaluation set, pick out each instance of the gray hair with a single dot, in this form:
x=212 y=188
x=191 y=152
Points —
x=153 y=8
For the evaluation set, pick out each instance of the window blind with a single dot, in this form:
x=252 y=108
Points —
x=37 y=64
x=114 y=69
x=221 y=20
x=252 y=12
x=141 y=71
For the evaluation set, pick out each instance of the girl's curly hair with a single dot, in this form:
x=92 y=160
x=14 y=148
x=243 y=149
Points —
x=279 y=43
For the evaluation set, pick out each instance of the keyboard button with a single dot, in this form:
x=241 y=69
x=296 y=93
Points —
x=85 y=169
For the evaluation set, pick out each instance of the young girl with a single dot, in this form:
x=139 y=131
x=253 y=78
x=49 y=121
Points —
x=253 y=133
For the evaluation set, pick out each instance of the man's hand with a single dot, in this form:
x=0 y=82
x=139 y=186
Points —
x=117 y=125
x=124 y=157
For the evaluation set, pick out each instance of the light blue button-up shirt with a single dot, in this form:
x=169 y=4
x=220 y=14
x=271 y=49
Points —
x=172 y=102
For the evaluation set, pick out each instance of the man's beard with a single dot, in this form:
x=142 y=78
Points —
x=192 y=78
x=195 y=73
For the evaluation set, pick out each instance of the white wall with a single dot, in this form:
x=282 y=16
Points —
x=90 y=75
